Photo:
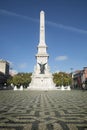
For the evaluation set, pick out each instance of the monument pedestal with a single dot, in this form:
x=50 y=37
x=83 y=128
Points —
x=42 y=82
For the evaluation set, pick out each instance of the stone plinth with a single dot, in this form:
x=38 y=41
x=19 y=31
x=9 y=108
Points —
x=42 y=82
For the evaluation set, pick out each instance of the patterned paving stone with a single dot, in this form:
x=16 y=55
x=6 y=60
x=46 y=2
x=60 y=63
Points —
x=43 y=110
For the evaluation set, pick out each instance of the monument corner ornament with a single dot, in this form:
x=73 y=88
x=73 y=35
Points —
x=42 y=78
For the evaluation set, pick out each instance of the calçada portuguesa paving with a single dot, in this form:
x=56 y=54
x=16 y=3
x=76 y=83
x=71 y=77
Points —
x=43 y=110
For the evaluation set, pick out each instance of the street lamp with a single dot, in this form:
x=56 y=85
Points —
x=71 y=77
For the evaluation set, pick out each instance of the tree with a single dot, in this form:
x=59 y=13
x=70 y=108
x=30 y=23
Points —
x=20 y=79
x=62 y=78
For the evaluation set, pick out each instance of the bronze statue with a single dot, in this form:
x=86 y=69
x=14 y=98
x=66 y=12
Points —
x=42 y=67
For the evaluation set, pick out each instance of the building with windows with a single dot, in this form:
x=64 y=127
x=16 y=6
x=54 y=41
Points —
x=4 y=67
x=80 y=78
x=4 y=72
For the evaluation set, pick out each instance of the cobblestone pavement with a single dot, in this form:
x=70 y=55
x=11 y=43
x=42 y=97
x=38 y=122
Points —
x=36 y=110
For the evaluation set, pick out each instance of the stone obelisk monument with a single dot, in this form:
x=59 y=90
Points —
x=42 y=78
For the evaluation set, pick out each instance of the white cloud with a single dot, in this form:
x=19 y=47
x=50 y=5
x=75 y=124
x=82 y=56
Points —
x=57 y=71
x=23 y=65
x=57 y=25
x=70 y=28
x=61 y=58
x=13 y=72
x=6 y=12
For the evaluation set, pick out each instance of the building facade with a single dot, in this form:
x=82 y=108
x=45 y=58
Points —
x=80 y=78
x=4 y=72
x=4 y=67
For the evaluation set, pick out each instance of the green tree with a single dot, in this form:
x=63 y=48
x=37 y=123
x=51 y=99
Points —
x=62 y=78
x=20 y=79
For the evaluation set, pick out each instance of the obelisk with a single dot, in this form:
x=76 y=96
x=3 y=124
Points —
x=42 y=28
x=42 y=78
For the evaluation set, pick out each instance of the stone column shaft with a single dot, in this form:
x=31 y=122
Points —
x=42 y=28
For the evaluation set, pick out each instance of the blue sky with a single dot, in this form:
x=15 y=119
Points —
x=66 y=33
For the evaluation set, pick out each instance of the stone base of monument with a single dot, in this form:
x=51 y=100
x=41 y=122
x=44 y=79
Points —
x=63 y=88
x=68 y=88
x=21 y=87
x=42 y=82
x=15 y=88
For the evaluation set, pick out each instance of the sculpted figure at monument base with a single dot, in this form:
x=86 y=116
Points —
x=42 y=68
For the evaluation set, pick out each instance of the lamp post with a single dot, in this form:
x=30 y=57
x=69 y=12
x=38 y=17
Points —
x=71 y=77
